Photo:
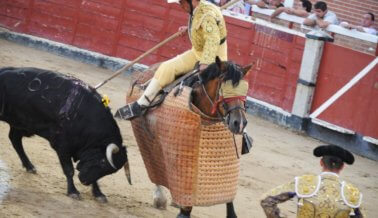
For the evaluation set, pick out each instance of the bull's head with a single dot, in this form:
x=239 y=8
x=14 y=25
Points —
x=103 y=163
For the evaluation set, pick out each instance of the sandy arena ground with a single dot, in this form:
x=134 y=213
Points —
x=277 y=156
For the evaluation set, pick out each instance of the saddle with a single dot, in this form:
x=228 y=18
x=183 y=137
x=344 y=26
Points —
x=192 y=155
x=187 y=79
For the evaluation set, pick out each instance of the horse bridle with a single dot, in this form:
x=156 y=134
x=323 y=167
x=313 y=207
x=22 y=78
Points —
x=220 y=100
x=236 y=107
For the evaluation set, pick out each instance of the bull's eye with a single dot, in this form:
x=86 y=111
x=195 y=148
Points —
x=103 y=162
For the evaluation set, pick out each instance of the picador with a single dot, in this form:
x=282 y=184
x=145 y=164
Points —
x=207 y=33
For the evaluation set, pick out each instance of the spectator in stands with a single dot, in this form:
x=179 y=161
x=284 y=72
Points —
x=301 y=12
x=255 y=2
x=218 y=2
x=322 y=17
x=215 y=2
x=366 y=24
x=223 y=2
x=270 y=4
x=237 y=7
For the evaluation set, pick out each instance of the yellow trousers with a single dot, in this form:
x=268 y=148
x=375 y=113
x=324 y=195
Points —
x=168 y=70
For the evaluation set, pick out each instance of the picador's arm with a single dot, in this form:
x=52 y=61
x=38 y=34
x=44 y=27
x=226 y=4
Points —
x=269 y=204
x=212 y=39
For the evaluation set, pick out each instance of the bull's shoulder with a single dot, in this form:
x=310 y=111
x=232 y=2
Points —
x=20 y=74
x=6 y=69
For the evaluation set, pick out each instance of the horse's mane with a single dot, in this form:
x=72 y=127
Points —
x=232 y=72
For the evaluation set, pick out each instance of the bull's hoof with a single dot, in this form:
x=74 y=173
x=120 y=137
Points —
x=101 y=199
x=31 y=170
x=75 y=196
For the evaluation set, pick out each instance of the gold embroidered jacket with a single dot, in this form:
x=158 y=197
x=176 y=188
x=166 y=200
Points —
x=206 y=31
x=319 y=196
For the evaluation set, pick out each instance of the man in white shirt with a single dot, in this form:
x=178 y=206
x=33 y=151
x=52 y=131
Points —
x=303 y=11
x=366 y=24
x=270 y=4
x=322 y=16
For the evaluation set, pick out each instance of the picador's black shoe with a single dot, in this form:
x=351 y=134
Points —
x=130 y=111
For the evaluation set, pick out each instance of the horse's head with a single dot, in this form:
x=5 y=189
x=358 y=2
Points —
x=222 y=93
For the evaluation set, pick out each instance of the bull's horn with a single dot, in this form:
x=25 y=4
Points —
x=127 y=172
x=110 y=150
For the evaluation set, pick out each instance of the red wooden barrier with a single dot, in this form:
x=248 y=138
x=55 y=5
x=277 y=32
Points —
x=357 y=109
x=128 y=28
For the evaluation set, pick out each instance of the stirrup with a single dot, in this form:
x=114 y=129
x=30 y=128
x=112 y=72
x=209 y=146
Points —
x=130 y=111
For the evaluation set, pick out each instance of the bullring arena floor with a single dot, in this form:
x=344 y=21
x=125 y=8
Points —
x=277 y=156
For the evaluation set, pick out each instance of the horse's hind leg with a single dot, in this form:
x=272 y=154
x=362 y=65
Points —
x=159 y=199
x=16 y=138
x=185 y=212
x=230 y=210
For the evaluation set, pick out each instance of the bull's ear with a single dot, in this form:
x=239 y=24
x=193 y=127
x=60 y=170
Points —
x=247 y=68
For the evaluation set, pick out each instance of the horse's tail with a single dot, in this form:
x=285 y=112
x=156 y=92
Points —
x=2 y=79
x=2 y=91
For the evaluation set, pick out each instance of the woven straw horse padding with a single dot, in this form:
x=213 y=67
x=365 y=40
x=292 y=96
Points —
x=194 y=158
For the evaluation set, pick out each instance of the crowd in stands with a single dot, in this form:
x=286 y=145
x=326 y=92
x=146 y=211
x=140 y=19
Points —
x=317 y=15
x=304 y=11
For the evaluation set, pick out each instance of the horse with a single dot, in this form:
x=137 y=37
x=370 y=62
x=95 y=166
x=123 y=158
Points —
x=209 y=98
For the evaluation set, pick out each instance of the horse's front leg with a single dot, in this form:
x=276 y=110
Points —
x=159 y=199
x=230 y=210
x=185 y=212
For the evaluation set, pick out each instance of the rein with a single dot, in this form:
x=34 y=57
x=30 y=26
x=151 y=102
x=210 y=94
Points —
x=227 y=100
x=217 y=97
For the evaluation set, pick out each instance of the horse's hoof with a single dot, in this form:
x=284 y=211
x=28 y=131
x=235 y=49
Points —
x=75 y=196
x=160 y=203
x=101 y=199
x=182 y=216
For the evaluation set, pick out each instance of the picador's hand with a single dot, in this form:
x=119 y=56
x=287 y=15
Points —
x=202 y=67
x=183 y=30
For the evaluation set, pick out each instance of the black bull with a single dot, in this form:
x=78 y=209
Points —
x=70 y=115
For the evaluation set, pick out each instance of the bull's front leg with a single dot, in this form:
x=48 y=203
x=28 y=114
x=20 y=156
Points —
x=16 y=138
x=69 y=172
x=99 y=196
